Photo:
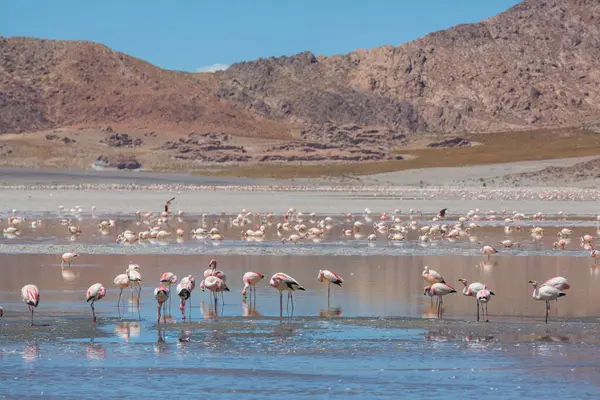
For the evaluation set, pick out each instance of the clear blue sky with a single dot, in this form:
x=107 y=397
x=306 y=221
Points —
x=187 y=34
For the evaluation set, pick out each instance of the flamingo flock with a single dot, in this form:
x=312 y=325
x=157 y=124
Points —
x=297 y=228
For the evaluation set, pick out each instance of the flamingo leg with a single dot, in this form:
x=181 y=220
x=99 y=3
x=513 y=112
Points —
x=487 y=314
x=31 y=309
x=120 y=294
x=190 y=313
x=93 y=310
x=292 y=299
x=547 y=308
x=280 y=304
x=159 y=308
x=477 y=302
x=328 y=295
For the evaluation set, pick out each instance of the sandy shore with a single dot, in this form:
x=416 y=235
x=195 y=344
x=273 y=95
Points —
x=469 y=175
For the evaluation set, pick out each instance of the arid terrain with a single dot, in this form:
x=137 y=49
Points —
x=520 y=86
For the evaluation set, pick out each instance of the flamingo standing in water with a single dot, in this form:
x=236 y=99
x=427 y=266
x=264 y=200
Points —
x=472 y=290
x=281 y=282
x=161 y=294
x=439 y=290
x=488 y=251
x=135 y=278
x=330 y=277
x=122 y=282
x=250 y=280
x=31 y=296
x=184 y=291
x=546 y=293
x=68 y=258
x=94 y=293
x=432 y=277
x=168 y=279
x=483 y=297
x=215 y=285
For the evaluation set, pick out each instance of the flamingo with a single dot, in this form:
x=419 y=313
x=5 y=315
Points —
x=439 y=289
x=546 y=293
x=94 y=293
x=595 y=254
x=488 y=251
x=432 y=276
x=168 y=279
x=330 y=277
x=250 y=280
x=1 y=311
x=215 y=285
x=281 y=282
x=483 y=297
x=212 y=271
x=161 y=294
x=121 y=281
x=31 y=296
x=68 y=258
x=135 y=278
x=184 y=291
x=558 y=282
x=472 y=290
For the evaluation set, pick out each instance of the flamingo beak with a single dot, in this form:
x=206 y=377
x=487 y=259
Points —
x=531 y=281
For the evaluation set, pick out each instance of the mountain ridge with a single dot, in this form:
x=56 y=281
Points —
x=531 y=66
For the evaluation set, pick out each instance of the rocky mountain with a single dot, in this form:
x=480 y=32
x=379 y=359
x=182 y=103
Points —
x=534 y=65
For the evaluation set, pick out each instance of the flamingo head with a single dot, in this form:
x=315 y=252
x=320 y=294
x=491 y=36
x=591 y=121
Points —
x=321 y=276
x=533 y=283
x=212 y=264
x=427 y=290
x=244 y=292
x=463 y=281
x=1 y=311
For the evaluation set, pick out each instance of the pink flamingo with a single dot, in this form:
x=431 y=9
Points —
x=122 y=282
x=215 y=285
x=281 y=282
x=212 y=271
x=161 y=294
x=472 y=290
x=184 y=290
x=330 y=277
x=546 y=293
x=168 y=279
x=31 y=296
x=595 y=254
x=483 y=297
x=250 y=280
x=439 y=290
x=94 y=293
x=488 y=251
x=68 y=258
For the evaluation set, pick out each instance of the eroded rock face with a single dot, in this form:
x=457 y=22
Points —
x=207 y=147
x=120 y=162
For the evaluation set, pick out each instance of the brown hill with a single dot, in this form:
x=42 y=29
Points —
x=46 y=84
x=533 y=65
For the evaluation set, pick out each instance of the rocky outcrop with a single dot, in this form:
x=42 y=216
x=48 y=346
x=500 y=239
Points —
x=450 y=143
x=120 y=162
x=122 y=140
